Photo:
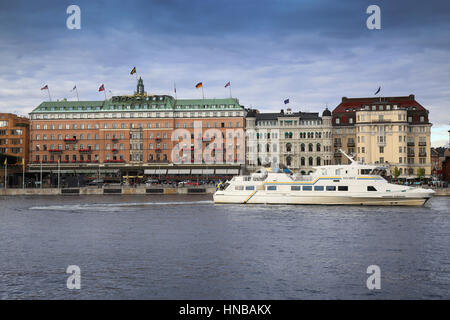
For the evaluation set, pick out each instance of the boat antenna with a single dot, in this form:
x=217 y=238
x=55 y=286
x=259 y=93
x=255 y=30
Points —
x=348 y=157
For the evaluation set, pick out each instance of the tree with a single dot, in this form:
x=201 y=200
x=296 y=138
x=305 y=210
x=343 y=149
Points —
x=420 y=173
x=396 y=173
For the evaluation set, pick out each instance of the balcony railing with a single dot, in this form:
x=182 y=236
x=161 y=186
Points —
x=422 y=144
x=350 y=144
x=411 y=143
x=85 y=150
x=411 y=154
x=338 y=144
x=70 y=140
x=422 y=154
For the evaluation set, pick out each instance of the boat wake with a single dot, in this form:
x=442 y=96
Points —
x=114 y=206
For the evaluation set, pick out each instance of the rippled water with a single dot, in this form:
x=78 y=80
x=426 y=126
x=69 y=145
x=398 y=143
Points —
x=185 y=247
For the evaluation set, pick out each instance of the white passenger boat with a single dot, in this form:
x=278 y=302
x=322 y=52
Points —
x=352 y=184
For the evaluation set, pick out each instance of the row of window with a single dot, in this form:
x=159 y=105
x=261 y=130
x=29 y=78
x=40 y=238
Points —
x=121 y=115
x=11 y=150
x=135 y=135
x=13 y=132
x=150 y=125
x=305 y=188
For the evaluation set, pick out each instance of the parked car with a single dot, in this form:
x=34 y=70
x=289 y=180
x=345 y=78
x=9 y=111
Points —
x=151 y=182
x=95 y=182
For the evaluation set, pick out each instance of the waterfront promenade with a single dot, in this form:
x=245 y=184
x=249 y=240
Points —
x=109 y=190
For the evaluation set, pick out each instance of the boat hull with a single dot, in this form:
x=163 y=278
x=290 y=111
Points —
x=322 y=200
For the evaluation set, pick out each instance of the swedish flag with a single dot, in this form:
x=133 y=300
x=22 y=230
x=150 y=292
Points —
x=133 y=71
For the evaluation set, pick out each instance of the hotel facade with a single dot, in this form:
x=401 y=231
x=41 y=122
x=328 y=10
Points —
x=137 y=132
x=393 y=131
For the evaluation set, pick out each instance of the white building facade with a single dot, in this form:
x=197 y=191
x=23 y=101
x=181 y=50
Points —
x=297 y=140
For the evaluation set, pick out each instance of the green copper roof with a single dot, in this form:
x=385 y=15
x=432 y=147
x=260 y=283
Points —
x=138 y=103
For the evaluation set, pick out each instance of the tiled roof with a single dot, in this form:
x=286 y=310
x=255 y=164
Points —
x=357 y=103
x=138 y=103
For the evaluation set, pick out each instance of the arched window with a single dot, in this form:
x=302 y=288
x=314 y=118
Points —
x=288 y=147
x=318 y=161
x=302 y=161
x=302 y=147
x=310 y=161
x=318 y=147
x=310 y=147
x=288 y=160
x=267 y=147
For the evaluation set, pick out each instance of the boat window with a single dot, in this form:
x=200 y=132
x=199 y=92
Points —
x=307 y=188
x=239 y=188
x=338 y=172
x=342 y=188
x=250 y=188
x=318 y=188
x=295 y=188
x=331 y=188
x=371 y=188
x=365 y=171
x=271 y=188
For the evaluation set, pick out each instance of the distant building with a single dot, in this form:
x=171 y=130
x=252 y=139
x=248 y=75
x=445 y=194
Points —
x=14 y=145
x=385 y=130
x=130 y=134
x=297 y=140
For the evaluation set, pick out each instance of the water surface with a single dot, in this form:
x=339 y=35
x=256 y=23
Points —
x=185 y=247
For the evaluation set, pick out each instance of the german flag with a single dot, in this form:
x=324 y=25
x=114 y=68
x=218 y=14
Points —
x=133 y=71
x=199 y=85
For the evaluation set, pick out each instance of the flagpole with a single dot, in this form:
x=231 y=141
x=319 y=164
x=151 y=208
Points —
x=230 y=90
x=59 y=170
x=49 y=96
x=23 y=173
x=203 y=94
x=6 y=171
x=41 y=173
x=76 y=89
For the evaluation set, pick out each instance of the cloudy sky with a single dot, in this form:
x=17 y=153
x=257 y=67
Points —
x=311 y=51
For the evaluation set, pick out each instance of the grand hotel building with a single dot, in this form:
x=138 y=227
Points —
x=136 y=132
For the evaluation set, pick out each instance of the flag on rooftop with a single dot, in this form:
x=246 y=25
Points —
x=74 y=88
x=133 y=71
x=199 y=85
x=286 y=101
x=228 y=84
x=379 y=89
x=102 y=88
x=44 y=87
